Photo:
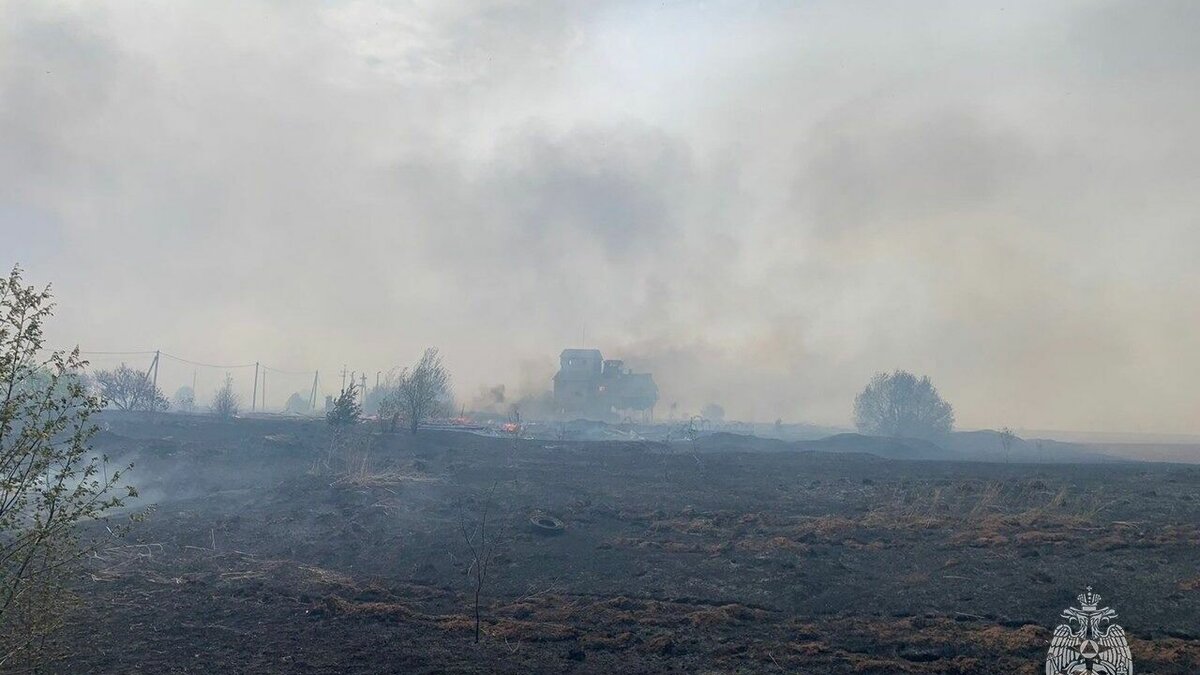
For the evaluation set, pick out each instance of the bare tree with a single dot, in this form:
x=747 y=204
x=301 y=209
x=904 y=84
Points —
x=226 y=402
x=418 y=393
x=1006 y=441
x=185 y=399
x=713 y=412
x=49 y=479
x=902 y=405
x=298 y=404
x=129 y=389
x=692 y=431
x=385 y=398
x=481 y=545
x=516 y=428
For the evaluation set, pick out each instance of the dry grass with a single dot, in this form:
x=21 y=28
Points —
x=607 y=642
x=327 y=577
x=529 y=631
x=930 y=645
x=1163 y=651
x=952 y=646
x=376 y=479
x=972 y=513
x=976 y=514
x=726 y=615
x=386 y=610
x=358 y=471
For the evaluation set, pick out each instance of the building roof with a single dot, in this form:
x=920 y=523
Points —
x=581 y=354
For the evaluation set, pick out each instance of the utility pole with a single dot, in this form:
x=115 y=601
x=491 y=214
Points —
x=157 y=353
x=254 y=397
x=312 y=399
x=363 y=393
x=152 y=371
x=343 y=376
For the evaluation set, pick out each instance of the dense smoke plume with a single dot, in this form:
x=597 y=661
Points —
x=762 y=214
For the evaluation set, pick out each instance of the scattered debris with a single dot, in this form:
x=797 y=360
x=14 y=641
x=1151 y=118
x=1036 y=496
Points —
x=546 y=525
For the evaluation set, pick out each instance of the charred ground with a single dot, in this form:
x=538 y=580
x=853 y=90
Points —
x=706 y=557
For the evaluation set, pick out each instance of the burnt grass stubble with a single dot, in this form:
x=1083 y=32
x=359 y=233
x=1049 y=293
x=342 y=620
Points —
x=674 y=558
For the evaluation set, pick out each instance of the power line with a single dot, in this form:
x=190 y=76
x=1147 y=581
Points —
x=287 y=372
x=317 y=384
x=114 y=353
x=180 y=359
x=206 y=365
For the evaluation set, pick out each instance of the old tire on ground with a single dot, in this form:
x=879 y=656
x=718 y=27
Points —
x=546 y=525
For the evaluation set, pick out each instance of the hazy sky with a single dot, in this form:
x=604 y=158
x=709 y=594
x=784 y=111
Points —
x=762 y=202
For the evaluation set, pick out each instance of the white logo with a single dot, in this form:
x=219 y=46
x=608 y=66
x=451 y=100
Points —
x=1089 y=642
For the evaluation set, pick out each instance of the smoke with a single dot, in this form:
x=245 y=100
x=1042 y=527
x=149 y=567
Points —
x=489 y=399
x=761 y=205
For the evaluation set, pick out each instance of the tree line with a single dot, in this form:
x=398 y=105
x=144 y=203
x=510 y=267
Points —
x=892 y=404
x=411 y=395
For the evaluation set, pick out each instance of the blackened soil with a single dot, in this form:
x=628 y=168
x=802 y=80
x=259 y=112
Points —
x=269 y=553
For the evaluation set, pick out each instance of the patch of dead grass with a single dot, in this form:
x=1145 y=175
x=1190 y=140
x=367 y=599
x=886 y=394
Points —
x=725 y=615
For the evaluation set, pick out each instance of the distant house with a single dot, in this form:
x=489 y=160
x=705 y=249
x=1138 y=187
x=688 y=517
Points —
x=587 y=385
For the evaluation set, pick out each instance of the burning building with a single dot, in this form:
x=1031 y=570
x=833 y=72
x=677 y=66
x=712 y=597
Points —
x=587 y=385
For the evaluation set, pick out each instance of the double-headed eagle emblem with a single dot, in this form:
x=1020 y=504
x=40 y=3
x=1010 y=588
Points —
x=1089 y=642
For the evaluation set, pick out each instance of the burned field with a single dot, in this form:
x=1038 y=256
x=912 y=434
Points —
x=706 y=557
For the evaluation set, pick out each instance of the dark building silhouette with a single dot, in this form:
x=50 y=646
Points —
x=587 y=385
